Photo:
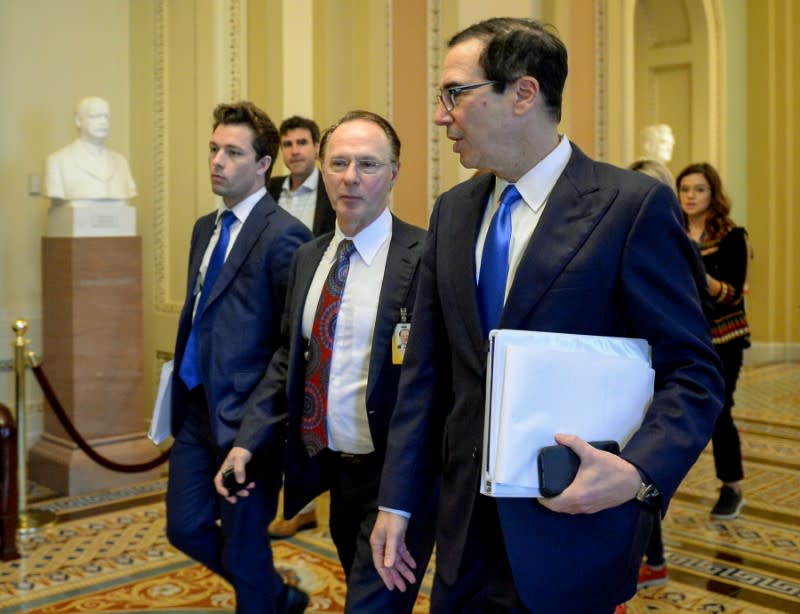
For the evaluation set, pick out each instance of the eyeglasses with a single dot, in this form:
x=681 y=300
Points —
x=447 y=95
x=364 y=166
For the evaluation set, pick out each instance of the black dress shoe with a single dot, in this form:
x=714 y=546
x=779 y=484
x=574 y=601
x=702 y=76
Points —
x=294 y=601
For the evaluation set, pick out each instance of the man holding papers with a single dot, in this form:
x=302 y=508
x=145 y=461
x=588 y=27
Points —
x=561 y=244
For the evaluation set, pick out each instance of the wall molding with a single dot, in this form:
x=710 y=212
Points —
x=434 y=131
x=601 y=79
x=762 y=352
x=160 y=175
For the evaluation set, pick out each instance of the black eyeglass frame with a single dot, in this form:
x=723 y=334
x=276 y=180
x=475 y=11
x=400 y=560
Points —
x=450 y=93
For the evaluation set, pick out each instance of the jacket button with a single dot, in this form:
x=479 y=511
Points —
x=474 y=453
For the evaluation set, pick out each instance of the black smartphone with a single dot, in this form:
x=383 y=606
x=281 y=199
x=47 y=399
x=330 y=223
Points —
x=558 y=466
x=229 y=480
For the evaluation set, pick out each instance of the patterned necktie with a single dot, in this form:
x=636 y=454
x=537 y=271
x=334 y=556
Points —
x=190 y=364
x=320 y=351
x=494 y=262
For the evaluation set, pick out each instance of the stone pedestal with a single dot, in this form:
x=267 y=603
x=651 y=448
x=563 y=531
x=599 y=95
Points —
x=93 y=357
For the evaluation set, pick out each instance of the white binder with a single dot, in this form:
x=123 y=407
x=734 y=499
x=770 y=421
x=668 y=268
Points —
x=539 y=384
x=162 y=410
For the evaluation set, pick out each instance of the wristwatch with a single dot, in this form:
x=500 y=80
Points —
x=648 y=493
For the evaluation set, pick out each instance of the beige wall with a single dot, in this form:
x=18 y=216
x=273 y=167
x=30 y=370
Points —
x=163 y=64
x=773 y=120
x=51 y=55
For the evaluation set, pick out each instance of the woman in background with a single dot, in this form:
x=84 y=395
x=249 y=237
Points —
x=723 y=246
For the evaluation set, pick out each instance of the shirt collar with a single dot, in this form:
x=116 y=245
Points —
x=535 y=185
x=243 y=208
x=309 y=185
x=369 y=240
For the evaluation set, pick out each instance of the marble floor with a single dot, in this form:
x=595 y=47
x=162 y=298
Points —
x=107 y=551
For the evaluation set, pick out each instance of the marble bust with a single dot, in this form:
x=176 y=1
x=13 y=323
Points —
x=86 y=170
x=657 y=142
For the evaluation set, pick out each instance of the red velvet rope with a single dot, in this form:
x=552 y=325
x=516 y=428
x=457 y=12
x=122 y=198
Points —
x=50 y=395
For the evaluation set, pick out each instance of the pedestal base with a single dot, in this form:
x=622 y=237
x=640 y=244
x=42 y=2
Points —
x=59 y=464
x=91 y=219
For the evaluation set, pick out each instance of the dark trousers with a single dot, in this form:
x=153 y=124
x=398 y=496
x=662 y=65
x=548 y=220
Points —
x=484 y=584
x=727 y=448
x=238 y=548
x=655 y=545
x=354 y=485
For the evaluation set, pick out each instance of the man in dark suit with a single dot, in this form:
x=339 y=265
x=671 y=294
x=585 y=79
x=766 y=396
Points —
x=301 y=192
x=334 y=370
x=581 y=247
x=238 y=273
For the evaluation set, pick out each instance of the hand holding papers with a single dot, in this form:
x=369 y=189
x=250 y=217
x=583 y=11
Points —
x=539 y=384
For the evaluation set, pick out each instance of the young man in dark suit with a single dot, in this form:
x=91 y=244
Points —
x=238 y=274
x=573 y=246
x=351 y=292
x=301 y=192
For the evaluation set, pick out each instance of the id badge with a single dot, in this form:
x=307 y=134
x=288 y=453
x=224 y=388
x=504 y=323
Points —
x=399 y=342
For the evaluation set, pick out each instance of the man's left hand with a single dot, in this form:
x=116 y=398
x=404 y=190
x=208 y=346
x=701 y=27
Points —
x=604 y=480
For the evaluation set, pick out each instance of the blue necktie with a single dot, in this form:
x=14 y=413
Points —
x=494 y=262
x=190 y=364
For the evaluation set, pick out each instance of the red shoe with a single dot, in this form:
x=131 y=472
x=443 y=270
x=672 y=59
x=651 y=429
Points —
x=652 y=576
x=621 y=609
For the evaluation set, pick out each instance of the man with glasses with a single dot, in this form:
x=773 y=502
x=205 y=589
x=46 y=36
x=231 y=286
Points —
x=350 y=295
x=549 y=240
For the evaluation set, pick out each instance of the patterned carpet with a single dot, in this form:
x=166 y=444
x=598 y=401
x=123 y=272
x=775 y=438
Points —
x=108 y=551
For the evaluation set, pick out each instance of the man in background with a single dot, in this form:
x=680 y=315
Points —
x=301 y=192
x=238 y=274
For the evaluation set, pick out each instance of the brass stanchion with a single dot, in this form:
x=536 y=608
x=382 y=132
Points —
x=28 y=520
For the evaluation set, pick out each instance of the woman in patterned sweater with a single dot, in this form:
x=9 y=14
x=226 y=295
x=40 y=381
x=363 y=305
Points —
x=725 y=252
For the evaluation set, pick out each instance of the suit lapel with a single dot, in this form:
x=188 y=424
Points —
x=251 y=231
x=306 y=266
x=462 y=235
x=574 y=208
x=204 y=231
x=400 y=267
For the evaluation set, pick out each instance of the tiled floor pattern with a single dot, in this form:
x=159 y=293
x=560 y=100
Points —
x=96 y=560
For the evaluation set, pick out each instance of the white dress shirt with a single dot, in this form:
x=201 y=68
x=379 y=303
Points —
x=534 y=187
x=302 y=203
x=240 y=210
x=347 y=424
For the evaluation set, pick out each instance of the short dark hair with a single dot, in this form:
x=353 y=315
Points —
x=265 y=137
x=295 y=122
x=369 y=116
x=515 y=47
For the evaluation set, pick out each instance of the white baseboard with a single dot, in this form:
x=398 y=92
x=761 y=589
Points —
x=762 y=352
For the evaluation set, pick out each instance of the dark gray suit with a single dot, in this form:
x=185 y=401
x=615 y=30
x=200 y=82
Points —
x=236 y=337
x=324 y=215
x=353 y=485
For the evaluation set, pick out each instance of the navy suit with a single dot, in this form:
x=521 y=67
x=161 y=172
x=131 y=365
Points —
x=352 y=515
x=236 y=337
x=609 y=256
x=324 y=215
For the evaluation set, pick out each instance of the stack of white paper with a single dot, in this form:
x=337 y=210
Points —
x=162 y=411
x=539 y=384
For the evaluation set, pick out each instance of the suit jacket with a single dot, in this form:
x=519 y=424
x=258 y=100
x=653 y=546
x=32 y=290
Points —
x=238 y=327
x=609 y=256
x=303 y=479
x=324 y=215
